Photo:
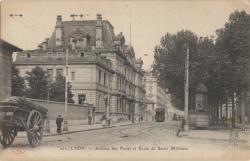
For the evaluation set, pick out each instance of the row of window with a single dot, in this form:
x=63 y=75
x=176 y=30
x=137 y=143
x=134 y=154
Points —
x=130 y=75
x=121 y=106
x=79 y=42
x=122 y=85
x=55 y=54
x=103 y=78
x=128 y=72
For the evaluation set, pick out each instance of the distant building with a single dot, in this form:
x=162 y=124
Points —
x=101 y=66
x=6 y=50
x=156 y=93
x=150 y=110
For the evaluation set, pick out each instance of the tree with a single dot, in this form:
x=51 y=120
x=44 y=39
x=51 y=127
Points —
x=224 y=67
x=38 y=84
x=57 y=90
x=18 y=85
x=170 y=59
x=233 y=47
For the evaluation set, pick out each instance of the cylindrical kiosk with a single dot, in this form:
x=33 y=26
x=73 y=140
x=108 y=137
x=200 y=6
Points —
x=199 y=117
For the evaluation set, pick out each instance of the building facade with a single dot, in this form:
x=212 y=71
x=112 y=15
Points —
x=140 y=92
x=156 y=93
x=102 y=69
x=6 y=50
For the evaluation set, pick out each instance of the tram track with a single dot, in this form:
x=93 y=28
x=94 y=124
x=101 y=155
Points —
x=126 y=132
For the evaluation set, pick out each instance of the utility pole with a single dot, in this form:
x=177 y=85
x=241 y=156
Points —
x=130 y=29
x=65 y=125
x=108 y=103
x=186 y=127
x=47 y=126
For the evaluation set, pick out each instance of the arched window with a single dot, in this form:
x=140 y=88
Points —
x=82 y=42
x=73 y=42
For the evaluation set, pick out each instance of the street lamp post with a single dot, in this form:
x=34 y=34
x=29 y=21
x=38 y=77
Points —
x=47 y=126
x=65 y=124
x=108 y=103
x=186 y=86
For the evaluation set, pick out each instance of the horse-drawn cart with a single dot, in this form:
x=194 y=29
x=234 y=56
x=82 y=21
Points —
x=19 y=114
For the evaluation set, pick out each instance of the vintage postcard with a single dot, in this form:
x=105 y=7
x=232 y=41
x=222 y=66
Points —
x=124 y=80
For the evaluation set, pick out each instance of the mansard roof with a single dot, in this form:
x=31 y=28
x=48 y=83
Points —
x=85 y=28
x=40 y=57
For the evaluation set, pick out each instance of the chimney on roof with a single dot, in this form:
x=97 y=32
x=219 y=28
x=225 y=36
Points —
x=99 y=30
x=58 y=30
x=40 y=46
x=44 y=45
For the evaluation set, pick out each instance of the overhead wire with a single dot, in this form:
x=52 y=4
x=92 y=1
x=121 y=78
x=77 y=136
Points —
x=27 y=26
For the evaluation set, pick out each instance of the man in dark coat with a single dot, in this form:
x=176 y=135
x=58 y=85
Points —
x=183 y=122
x=59 y=121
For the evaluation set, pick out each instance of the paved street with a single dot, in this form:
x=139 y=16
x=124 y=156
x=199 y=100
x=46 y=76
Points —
x=146 y=134
x=127 y=140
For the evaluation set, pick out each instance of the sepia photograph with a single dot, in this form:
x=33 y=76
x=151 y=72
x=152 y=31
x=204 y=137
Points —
x=139 y=80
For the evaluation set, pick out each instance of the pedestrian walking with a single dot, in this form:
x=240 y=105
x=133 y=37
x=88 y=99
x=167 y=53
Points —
x=89 y=119
x=183 y=122
x=59 y=121
x=108 y=121
x=104 y=119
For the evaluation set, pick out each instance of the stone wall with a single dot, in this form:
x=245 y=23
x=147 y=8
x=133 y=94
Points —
x=75 y=112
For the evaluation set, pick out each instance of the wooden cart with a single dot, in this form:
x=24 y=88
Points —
x=19 y=114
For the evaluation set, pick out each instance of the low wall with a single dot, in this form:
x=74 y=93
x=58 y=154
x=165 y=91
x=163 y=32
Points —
x=79 y=113
x=75 y=112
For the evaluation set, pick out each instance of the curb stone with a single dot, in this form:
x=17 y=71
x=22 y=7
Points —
x=83 y=130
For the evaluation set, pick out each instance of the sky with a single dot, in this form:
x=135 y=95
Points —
x=150 y=20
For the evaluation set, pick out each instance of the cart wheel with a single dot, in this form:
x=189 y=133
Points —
x=35 y=128
x=7 y=137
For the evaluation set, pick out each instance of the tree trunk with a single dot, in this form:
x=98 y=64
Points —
x=213 y=105
x=226 y=110
x=233 y=111
x=217 y=111
x=221 y=119
x=242 y=106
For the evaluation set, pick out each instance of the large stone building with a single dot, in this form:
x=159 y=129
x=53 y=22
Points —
x=100 y=66
x=140 y=92
x=6 y=50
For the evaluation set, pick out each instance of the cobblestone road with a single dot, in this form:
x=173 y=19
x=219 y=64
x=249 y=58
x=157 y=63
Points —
x=144 y=137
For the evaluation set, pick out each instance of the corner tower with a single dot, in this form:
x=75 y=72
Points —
x=99 y=30
x=58 y=30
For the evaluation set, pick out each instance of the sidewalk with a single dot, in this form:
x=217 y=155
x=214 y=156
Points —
x=74 y=127
x=219 y=134
x=84 y=127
